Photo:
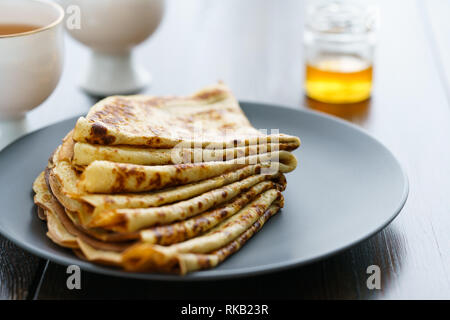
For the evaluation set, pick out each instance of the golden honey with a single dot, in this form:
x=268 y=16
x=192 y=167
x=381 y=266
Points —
x=339 y=79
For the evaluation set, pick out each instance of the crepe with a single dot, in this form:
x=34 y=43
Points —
x=56 y=230
x=129 y=220
x=143 y=258
x=163 y=184
x=147 y=257
x=203 y=195
x=112 y=177
x=211 y=118
x=85 y=153
x=214 y=246
x=189 y=228
x=132 y=219
x=60 y=227
x=118 y=220
x=64 y=180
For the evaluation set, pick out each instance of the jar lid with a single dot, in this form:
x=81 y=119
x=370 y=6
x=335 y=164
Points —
x=341 y=17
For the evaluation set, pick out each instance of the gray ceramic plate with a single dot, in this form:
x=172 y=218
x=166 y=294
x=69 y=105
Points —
x=347 y=187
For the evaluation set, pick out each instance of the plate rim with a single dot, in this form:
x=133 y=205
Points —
x=223 y=274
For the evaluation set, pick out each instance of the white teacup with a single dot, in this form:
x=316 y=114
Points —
x=112 y=28
x=30 y=62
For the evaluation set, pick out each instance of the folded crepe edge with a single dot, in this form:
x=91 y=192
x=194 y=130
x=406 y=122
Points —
x=194 y=226
x=146 y=257
x=50 y=203
x=110 y=177
x=180 y=263
x=85 y=153
x=76 y=211
x=207 y=95
x=181 y=230
x=130 y=220
x=102 y=133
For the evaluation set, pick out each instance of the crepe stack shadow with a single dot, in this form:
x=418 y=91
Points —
x=163 y=184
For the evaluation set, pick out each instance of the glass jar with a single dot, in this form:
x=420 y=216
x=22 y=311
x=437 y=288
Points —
x=339 y=45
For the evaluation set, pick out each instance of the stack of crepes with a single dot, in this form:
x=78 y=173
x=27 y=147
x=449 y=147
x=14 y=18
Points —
x=163 y=184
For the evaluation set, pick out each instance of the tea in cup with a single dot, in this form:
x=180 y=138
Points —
x=31 y=54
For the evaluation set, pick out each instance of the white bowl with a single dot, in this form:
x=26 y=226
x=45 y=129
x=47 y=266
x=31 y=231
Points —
x=112 y=28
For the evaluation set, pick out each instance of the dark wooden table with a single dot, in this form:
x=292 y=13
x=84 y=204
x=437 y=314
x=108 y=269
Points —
x=255 y=46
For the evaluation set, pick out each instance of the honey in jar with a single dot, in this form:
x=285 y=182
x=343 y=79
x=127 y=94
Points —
x=339 y=51
x=339 y=79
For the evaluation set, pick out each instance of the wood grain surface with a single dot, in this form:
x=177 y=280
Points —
x=255 y=46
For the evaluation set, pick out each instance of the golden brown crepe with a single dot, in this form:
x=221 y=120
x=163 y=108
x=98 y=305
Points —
x=85 y=153
x=56 y=230
x=64 y=183
x=112 y=177
x=163 y=184
x=129 y=220
x=144 y=256
x=87 y=217
x=210 y=118
x=214 y=246
x=147 y=258
x=60 y=222
x=101 y=202
x=189 y=228
x=184 y=229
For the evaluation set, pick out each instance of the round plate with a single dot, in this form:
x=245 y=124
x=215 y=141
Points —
x=346 y=188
